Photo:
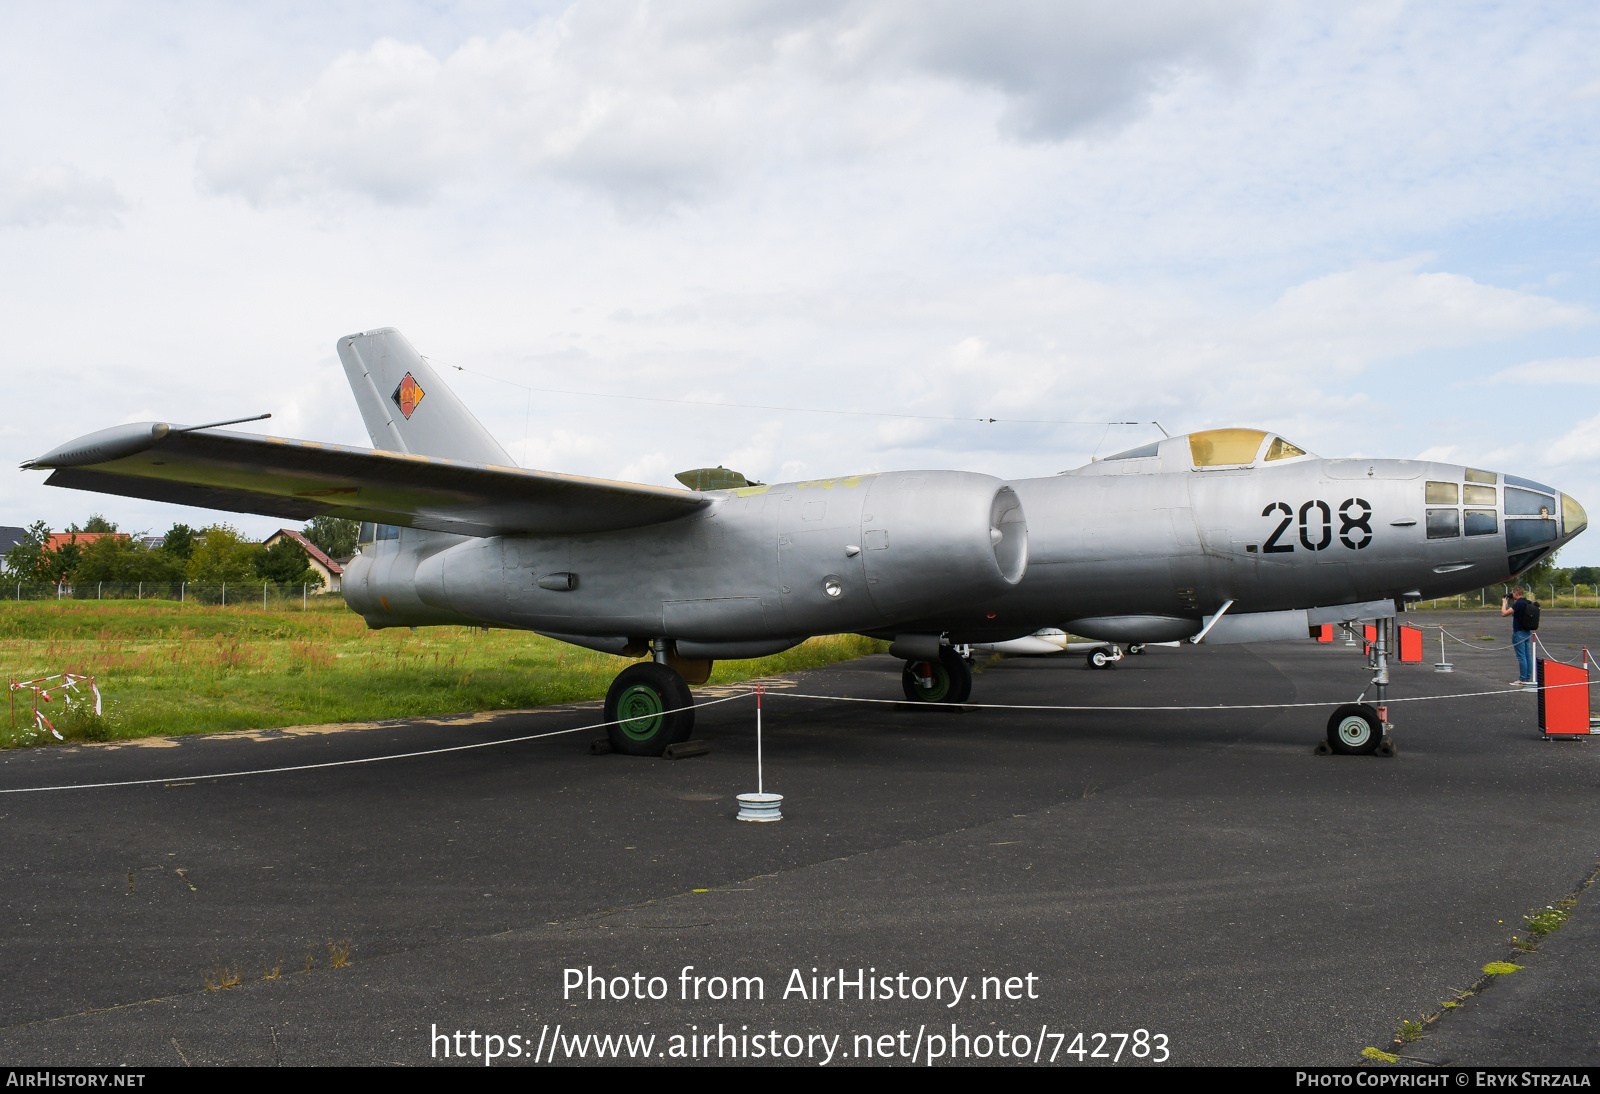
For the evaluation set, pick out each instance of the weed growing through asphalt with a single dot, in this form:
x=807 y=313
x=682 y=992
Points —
x=1500 y=968
x=338 y=954
x=272 y=972
x=1370 y=1053
x=1409 y=1031
x=221 y=980
x=1551 y=919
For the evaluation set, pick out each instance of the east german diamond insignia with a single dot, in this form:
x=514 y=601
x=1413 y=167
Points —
x=407 y=394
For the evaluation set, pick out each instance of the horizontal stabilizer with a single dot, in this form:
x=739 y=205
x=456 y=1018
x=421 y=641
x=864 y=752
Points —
x=298 y=480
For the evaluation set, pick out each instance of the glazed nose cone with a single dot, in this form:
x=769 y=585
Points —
x=1573 y=518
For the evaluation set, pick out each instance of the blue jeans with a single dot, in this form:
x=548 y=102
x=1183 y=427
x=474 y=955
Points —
x=1522 y=642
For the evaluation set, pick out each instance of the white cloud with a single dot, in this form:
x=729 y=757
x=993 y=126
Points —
x=62 y=194
x=1578 y=445
x=1556 y=370
x=654 y=104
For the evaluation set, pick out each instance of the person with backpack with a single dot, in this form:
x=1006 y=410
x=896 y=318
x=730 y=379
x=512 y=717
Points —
x=1524 y=615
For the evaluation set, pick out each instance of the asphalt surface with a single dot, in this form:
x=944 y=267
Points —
x=1200 y=875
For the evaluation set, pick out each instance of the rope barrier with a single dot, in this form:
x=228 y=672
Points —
x=1218 y=706
x=347 y=763
x=751 y=691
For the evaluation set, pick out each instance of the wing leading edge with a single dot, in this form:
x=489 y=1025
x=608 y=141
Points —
x=299 y=480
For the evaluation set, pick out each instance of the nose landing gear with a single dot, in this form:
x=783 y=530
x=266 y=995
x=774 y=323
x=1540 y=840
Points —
x=1362 y=729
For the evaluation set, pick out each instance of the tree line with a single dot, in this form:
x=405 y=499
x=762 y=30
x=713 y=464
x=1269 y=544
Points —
x=211 y=555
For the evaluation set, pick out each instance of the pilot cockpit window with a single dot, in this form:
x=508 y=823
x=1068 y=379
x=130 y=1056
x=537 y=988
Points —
x=1281 y=449
x=1142 y=452
x=1225 y=447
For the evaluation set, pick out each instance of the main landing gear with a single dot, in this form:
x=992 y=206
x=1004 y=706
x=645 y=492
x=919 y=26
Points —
x=948 y=679
x=650 y=705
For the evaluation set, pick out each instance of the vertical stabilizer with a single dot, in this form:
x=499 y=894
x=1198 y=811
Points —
x=407 y=407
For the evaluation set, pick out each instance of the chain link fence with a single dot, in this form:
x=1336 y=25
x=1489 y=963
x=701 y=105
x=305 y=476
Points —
x=1547 y=596
x=259 y=594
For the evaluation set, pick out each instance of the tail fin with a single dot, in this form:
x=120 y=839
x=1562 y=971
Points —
x=406 y=406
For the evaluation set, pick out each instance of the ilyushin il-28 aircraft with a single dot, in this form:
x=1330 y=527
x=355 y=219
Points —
x=1226 y=535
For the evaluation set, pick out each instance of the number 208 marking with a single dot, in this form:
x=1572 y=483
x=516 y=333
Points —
x=1316 y=525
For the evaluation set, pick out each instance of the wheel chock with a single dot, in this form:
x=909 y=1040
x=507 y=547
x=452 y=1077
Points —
x=1386 y=747
x=684 y=749
x=1322 y=749
x=599 y=746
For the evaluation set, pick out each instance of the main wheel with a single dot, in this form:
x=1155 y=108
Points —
x=651 y=707
x=1354 y=730
x=945 y=680
x=1101 y=658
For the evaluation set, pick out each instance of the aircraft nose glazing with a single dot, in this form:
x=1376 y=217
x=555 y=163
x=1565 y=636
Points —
x=1573 y=518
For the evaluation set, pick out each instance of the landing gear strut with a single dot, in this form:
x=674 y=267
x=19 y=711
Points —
x=945 y=680
x=652 y=707
x=1362 y=729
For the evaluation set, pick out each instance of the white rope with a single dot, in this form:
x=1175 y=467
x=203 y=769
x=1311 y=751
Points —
x=774 y=694
x=1462 y=641
x=346 y=763
x=1124 y=709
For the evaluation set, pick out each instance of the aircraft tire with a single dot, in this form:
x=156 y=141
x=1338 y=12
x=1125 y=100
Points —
x=1136 y=648
x=952 y=679
x=1354 y=730
x=658 y=707
x=1100 y=659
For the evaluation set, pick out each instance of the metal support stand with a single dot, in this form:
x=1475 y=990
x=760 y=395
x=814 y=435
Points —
x=1444 y=664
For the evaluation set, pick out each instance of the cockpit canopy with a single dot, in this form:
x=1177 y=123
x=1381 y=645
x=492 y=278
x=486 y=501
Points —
x=1211 y=449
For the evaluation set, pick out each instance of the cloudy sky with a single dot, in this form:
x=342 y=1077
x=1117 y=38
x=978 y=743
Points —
x=1371 y=226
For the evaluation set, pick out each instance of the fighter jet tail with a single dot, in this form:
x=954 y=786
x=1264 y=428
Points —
x=407 y=407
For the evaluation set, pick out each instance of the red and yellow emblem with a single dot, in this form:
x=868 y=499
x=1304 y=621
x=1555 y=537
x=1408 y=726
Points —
x=407 y=395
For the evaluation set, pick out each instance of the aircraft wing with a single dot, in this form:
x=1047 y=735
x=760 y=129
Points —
x=298 y=480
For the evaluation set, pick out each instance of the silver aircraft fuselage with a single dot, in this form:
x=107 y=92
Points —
x=1139 y=548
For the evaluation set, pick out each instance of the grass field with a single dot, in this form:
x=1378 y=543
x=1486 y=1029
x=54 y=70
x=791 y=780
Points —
x=166 y=668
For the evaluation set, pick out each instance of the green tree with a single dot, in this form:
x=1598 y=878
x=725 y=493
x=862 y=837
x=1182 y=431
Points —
x=95 y=523
x=335 y=536
x=286 y=563
x=26 y=561
x=179 y=542
x=224 y=556
x=112 y=558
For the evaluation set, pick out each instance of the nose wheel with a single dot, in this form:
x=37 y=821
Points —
x=1354 y=730
x=1105 y=657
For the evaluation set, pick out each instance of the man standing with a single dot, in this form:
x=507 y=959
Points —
x=1523 y=623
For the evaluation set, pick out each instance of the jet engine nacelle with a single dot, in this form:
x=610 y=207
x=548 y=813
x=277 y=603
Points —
x=780 y=562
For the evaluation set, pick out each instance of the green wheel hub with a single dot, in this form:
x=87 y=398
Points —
x=941 y=684
x=642 y=712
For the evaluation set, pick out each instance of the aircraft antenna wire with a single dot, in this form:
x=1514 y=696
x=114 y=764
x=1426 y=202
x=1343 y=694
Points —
x=786 y=409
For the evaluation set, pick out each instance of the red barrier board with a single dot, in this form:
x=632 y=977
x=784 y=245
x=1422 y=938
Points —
x=1370 y=633
x=1325 y=633
x=1410 y=644
x=1563 y=698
